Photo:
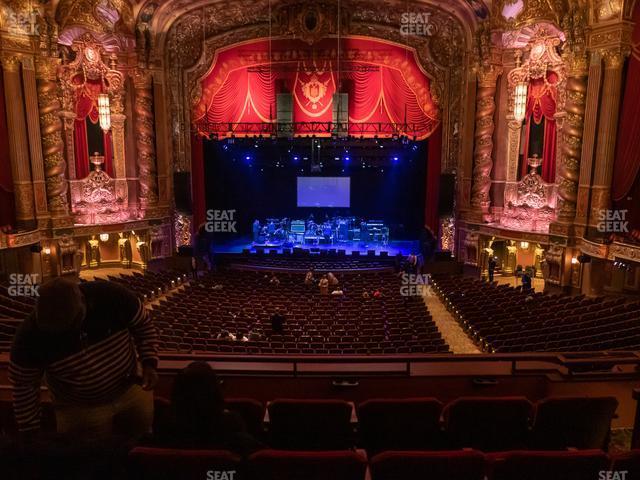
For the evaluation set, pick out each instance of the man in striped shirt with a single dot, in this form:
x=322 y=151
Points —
x=96 y=349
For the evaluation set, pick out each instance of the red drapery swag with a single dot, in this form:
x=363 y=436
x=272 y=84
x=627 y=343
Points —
x=627 y=161
x=434 y=154
x=7 y=202
x=541 y=103
x=87 y=107
x=197 y=181
x=385 y=85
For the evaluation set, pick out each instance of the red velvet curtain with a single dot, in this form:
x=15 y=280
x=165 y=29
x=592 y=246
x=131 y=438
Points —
x=541 y=104
x=387 y=85
x=197 y=181
x=7 y=203
x=87 y=108
x=434 y=154
x=627 y=160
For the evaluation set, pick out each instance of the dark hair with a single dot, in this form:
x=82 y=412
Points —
x=60 y=305
x=196 y=400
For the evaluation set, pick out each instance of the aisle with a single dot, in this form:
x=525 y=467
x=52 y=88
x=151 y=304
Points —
x=449 y=328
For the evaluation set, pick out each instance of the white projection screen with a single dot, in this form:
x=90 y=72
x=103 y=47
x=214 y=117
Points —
x=327 y=192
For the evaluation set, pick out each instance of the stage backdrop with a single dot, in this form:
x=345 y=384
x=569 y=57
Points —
x=385 y=83
x=258 y=188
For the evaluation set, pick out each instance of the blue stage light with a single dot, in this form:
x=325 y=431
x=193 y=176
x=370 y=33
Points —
x=296 y=158
x=247 y=157
x=415 y=147
x=346 y=159
x=395 y=159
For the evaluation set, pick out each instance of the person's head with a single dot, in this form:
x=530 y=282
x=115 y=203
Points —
x=196 y=398
x=61 y=306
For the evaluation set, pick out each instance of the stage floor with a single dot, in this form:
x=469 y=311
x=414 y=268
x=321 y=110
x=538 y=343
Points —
x=404 y=247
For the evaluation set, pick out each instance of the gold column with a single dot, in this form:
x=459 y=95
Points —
x=51 y=132
x=145 y=138
x=18 y=143
x=510 y=264
x=572 y=129
x=35 y=143
x=483 y=150
x=588 y=140
x=607 y=132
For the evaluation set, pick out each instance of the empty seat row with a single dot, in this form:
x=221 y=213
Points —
x=161 y=464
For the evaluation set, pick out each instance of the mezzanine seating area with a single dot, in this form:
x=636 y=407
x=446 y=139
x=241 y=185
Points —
x=241 y=303
x=501 y=318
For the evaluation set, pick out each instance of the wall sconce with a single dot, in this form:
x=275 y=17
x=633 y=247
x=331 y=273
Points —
x=524 y=245
x=574 y=261
x=520 y=101
x=104 y=237
x=104 y=112
x=46 y=251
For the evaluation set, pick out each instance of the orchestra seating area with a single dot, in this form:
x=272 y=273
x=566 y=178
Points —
x=242 y=302
x=501 y=318
x=404 y=439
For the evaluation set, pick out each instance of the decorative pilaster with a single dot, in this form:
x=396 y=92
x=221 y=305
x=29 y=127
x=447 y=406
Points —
x=588 y=140
x=607 y=132
x=35 y=143
x=52 y=142
x=145 y=138
x=18 y=142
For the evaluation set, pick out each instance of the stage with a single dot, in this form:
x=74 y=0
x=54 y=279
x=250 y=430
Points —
x=403 y=247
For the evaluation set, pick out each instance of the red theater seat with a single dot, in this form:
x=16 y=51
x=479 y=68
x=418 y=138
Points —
x=310 y=424
x=573 y=465
x=627 y=462
x=577 y=422
x=458 y=465
x=400 y=424
x=328 y=465
x=488 y=424
x=172 y=464
x=251 y=411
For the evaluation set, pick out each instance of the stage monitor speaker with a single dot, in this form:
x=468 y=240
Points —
x=246 y=251
x=341 y=114
x=355 y=253
x=185 y=251
x=182 y=191
x=384 y=253
x=342 y=252
x=446 y=194
x=371 y=253
x=284 y=112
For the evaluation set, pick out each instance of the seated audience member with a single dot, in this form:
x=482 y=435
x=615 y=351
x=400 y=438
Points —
x=277 y=323
x=333 y=280
x=377 y=293
x=85 y=341
x=255 y=334
x=309 y=279
x=274 y=280
x=225 y=335
x=337 y=292
x=198 y=418
x=365 y=294
x=324 y=285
